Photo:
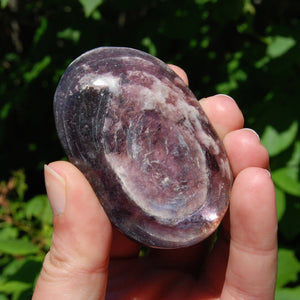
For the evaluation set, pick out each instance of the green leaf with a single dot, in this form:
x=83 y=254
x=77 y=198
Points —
x=39 y=208
x=227 y=87
x=288 y=294
x=234 y=64
x=249 y=7
x=202 y=2
x=25 y=270
x=276 y=142
x=17 y=247
x=20 y=183
x=285 y=179
x=3 y=297
x=295 y=157
x=41 y=30
x=69 y=34
x=262 y=62
x=4 y=3
x=289 y=225
x=37 y=69
x=147 y=42
x=279 y=45
x=288 y=267
x=280 y=202
x=14 y=286
x=96 y=15
x=8 y=233
x=89 y=6
x=4 y=110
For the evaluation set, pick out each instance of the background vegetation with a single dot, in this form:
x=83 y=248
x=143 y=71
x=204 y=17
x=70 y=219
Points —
x=249 y=49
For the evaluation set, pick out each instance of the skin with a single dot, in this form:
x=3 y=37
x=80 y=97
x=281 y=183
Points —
x=89 y=259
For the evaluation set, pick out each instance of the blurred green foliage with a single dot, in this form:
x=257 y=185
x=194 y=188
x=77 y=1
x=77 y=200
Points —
x=25 y=236
x=248 y=49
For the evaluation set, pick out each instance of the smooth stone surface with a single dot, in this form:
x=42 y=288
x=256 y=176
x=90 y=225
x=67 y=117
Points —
x=139 y=135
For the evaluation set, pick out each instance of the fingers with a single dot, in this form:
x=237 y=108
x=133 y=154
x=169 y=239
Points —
x=180 y=72
x=243 y=263
x=251 y=270
x=245 y=153
x=244 y=149
x=223 y=113
x=76 y=265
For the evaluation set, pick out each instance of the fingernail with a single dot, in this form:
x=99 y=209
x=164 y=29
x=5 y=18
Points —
x=269 y=172
x=56 y=190
x=250 y=129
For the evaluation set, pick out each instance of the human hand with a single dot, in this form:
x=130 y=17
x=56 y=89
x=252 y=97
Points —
x=89 y=259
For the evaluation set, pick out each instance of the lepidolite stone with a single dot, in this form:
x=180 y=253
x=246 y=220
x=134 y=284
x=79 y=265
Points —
x=140 y=137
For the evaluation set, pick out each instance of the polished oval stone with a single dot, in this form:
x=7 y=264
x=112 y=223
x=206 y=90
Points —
x=140 y=137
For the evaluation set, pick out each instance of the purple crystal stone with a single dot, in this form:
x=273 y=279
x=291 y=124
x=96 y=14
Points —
x=140 y=137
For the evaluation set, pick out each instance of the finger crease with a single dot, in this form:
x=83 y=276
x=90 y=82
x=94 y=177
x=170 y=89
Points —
x=252 y=250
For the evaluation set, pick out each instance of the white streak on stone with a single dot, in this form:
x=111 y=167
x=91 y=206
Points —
x=96 y=81
x=155 y=97
x=225 y=168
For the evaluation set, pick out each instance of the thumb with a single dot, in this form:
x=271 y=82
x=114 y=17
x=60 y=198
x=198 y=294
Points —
x=77 y=264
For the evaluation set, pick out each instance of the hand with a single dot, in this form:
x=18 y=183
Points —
x=89 y=259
